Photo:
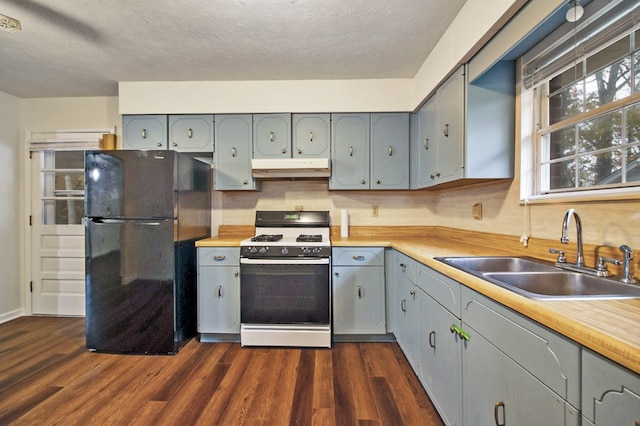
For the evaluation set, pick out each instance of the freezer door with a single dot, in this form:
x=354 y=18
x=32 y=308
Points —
x=130 y=184
x=130 y=267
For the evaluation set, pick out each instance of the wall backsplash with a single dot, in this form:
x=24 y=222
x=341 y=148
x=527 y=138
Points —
x=604 y=223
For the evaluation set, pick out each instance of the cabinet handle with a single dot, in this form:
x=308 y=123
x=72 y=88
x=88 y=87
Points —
x=159 y=144
x=190 y=133
x=390 y=151
x=174 y=144
x=378 y=181
x=359 y=292
x=144 y=133
x=446 y=130
x=496 y=410
x=460 y=332
x=403 y=305
x=363 y=181
x=350 y=151
x=219 y=292
x=432 y=177
x=432 y=339
x=236 y=273
x=310 y=136
x=437 y=174
x=271 y=136
x=403 y=266
x=233 y=151
x=219 y=257
x=246 y=182
x=284 y=150
x=412 y=292
x=299 y=151
x=426 y=143
x=358 y=257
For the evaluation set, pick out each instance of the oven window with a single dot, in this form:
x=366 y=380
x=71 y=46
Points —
x=285 y=293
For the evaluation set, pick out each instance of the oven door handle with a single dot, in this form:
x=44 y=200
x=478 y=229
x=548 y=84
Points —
x=286 y=261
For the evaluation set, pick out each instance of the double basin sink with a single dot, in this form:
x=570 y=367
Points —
x=538 y=279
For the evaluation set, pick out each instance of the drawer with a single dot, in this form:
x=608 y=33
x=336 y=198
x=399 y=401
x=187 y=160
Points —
x=357 y=256
x=405 y=266
x=219 y=256
x=550 y=357
x=442 y=288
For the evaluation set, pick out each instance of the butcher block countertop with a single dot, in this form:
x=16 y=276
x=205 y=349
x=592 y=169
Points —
x=608 y=327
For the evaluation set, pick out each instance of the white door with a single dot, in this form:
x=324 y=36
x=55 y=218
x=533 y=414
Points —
x=57 y=233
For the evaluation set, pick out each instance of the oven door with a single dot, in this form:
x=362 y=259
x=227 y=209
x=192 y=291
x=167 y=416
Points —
x=285 y=291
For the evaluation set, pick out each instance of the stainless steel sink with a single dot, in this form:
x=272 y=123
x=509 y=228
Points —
x=482 y=264
x=572 y=285
x=539 y=279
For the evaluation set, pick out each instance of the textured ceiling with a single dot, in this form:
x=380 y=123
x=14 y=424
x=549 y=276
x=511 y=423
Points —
x=84 y=47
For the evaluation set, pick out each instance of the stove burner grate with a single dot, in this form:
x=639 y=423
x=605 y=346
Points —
x=308 y=238
x=267 y=238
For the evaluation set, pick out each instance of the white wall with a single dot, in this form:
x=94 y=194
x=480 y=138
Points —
x=11 y=303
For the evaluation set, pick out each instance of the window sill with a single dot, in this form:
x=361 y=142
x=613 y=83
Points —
x=618 y=194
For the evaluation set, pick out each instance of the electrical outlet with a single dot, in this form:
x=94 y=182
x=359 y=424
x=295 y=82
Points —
x=374 y=211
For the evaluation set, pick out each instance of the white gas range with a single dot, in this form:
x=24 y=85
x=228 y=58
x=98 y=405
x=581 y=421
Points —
x=285 y=285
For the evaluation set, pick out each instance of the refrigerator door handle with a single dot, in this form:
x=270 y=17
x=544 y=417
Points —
x=121 y=221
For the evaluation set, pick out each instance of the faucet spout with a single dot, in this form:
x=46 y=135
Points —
x=565 y=233
x=627 y=261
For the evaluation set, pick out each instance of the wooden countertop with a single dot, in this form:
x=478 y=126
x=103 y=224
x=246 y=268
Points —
x=608 y=327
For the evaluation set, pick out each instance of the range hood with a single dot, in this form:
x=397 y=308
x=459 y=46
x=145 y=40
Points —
x=290 y=167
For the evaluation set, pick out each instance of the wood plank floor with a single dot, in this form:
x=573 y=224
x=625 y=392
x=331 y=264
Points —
x=47 y=377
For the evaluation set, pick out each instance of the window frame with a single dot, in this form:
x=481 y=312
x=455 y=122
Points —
x=534 y=106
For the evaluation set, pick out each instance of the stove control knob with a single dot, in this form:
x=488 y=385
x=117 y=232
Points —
x=317 y=250
x=285 y=250
x=306 y=250
x=253 y=250
x=263 y=250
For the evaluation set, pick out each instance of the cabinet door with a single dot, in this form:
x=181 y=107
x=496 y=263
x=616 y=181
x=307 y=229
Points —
x=349 y=151
x=390 y=151
x=144 y=132
x=610 y=393
x=191 y=133
x=272 y=135
x=406 y=309
x=440 y=358
x=499 y=391
x=358 y=300
x=311 y=135
x=232 y=155
x=450 y=128
x=429 y=150
x=218 y=299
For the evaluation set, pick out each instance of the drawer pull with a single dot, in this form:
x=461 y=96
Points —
x=144 y=133
x=219 y=291
x=432 y=339
x=445 y=131
x=219 y=257
x=390 y=151
x=404 y=267
x=460 y=332
x=358 y=257
x=190 y=133
x=413 y=293
x=310 y=136
x=496 y=410
x=271 y=136
x=403 y=305
x=359 y=292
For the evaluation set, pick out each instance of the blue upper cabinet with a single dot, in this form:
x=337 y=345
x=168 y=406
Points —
x=390 y=151
x=272 y=136
x=232 y=154
x=144 y=132
x=370 y=151
x=311 y=135
x=349 y=151
x=191 y=133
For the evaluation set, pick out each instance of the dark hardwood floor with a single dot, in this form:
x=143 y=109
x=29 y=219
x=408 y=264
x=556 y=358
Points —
x=47 y=377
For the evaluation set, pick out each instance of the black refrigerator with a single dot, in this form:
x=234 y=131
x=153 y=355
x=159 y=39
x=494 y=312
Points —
x=144 y=210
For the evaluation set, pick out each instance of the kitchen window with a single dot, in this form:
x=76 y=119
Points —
x=583 y=89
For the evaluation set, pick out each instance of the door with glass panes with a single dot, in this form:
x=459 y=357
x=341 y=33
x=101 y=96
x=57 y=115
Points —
x=57 y=234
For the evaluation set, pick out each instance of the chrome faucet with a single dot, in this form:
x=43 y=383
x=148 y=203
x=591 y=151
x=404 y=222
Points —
x=565 y=234
x=627 y=262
